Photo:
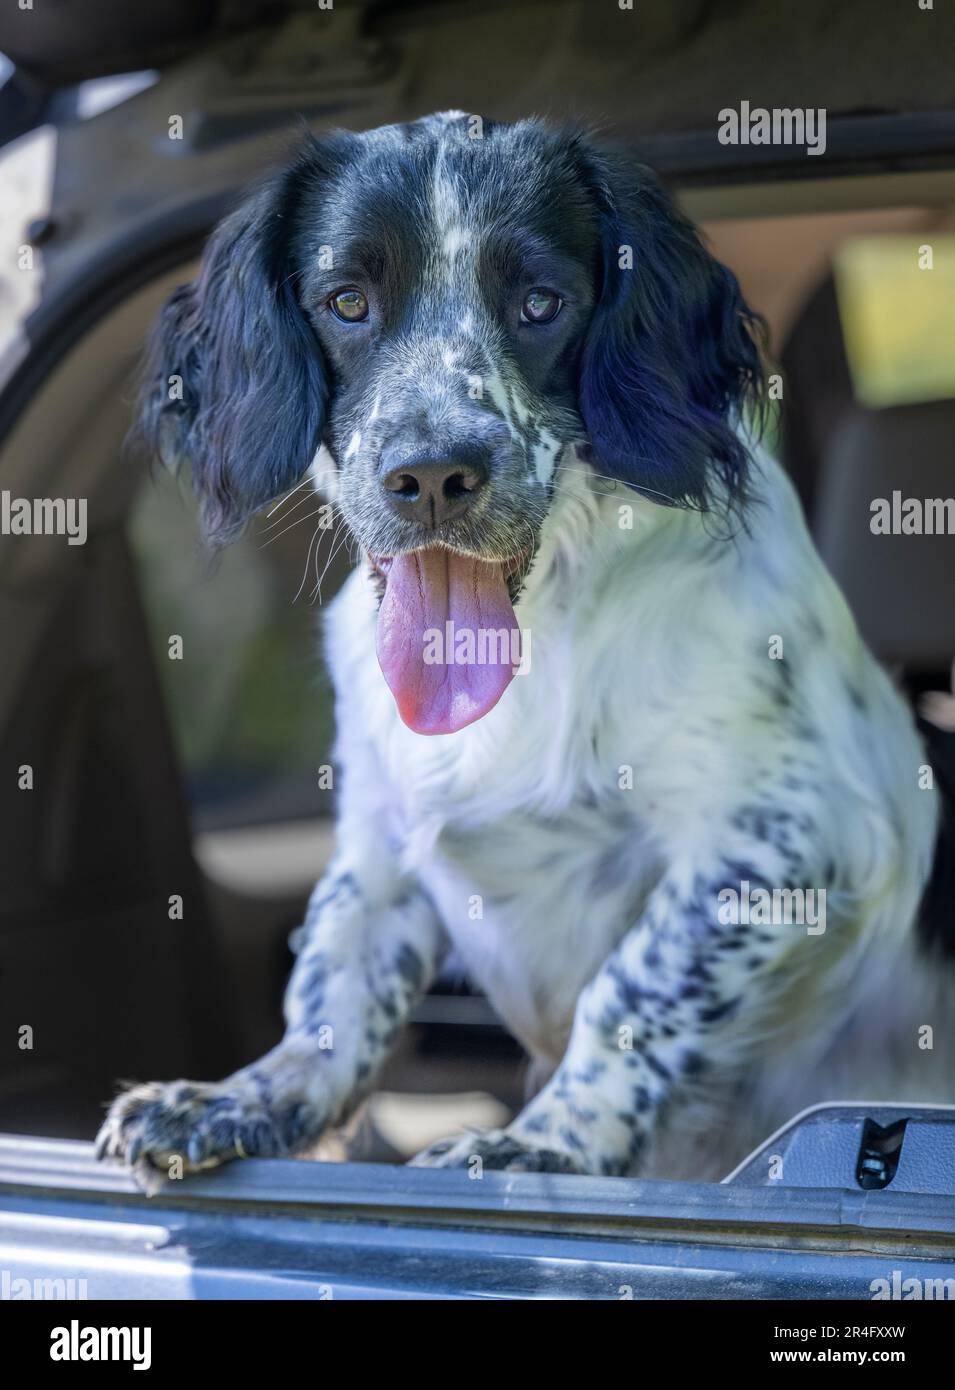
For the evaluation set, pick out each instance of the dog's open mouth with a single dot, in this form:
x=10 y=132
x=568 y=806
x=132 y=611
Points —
x=448 y=641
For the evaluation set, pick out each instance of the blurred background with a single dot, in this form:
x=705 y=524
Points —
x=125 y=133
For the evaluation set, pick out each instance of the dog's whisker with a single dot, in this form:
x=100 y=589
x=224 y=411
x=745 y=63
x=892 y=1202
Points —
x=278 y=520
x=335 y=534
x=291 y=527
x=316 y=534
x=317 y=596
x=282 y=500
x=340 y=538
x=315 y=592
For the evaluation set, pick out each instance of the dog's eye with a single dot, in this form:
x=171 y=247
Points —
x=351 y=306
x=540 y=306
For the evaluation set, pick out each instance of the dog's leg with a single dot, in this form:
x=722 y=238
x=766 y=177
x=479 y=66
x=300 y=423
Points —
x=371 y=945
x=658 y=1013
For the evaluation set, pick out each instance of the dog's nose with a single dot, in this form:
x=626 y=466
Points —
x=432 y=491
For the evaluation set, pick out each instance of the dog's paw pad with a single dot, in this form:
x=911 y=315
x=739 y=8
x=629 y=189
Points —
x=164 y=1129
x=495 y=1150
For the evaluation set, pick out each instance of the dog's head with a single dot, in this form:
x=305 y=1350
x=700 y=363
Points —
x=444 y=307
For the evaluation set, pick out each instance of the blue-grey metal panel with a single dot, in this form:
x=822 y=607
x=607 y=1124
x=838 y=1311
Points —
x=285 y=1229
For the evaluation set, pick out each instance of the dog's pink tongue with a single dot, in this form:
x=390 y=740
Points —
x=439 y=644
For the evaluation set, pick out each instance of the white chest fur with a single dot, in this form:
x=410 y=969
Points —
x=534 y=907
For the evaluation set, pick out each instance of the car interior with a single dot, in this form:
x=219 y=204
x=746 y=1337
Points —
x=206 y=780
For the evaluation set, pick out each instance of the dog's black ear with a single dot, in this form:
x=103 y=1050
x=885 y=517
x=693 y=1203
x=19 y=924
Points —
x=671 y=361
x=234 y=382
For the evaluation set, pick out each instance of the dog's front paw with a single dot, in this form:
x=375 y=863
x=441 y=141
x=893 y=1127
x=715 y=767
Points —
x=184 y=1126
x=494 y=1149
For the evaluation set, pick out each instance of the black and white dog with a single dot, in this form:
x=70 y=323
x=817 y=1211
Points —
x=683 y=848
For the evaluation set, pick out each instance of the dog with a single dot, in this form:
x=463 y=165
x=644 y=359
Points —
x=682 y=836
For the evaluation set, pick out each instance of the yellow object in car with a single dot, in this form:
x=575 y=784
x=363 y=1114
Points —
x=897 y=304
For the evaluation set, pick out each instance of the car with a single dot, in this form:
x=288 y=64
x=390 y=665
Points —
x=168 y=790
